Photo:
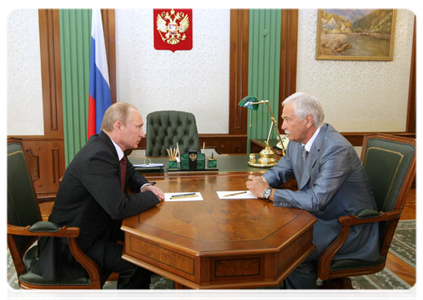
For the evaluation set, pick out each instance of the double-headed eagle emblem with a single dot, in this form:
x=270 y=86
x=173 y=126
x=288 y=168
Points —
x=173 y=29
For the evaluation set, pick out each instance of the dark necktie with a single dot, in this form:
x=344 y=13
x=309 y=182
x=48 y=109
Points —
x=123 y=172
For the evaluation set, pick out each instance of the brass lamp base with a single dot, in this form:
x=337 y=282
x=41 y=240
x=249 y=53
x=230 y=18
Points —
x=266 y=160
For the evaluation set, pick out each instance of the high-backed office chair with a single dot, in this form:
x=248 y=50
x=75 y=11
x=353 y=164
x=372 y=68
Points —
x=167 y=128
x=24 y=226
x=390 y=163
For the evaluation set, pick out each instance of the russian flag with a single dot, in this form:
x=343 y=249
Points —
x=99 y=92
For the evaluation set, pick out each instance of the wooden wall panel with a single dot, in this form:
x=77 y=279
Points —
x=238 y=70
x=411 y=111
x=288 y=65
x=51 y=71
x=45 y=160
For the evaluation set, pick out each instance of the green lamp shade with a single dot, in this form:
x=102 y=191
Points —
x=247 y=102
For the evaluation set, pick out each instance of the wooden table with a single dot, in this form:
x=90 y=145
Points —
x=218 y=243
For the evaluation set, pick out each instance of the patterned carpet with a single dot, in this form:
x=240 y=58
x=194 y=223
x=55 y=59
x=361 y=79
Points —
x=403 y=246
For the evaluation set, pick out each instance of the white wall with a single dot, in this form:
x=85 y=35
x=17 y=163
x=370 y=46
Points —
x=196 y=81
x=24 y=95
x=358 y=95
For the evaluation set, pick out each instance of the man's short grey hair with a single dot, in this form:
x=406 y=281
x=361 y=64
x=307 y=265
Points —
x=305 y=105
x=116 y=112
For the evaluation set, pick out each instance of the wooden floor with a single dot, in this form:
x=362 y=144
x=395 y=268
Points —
x=393 y=263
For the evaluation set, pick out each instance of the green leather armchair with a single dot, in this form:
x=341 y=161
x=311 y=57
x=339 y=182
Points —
x=390 y=163
x=24 y=226
x=166 y=129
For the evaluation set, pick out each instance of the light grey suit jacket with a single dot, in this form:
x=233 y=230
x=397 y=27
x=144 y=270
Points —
x=332 y=183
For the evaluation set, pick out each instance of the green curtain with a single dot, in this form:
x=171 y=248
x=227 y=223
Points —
x=263 y=70
x=75 y=43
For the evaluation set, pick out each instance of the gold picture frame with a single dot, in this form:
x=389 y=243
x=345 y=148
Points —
x=355 y=34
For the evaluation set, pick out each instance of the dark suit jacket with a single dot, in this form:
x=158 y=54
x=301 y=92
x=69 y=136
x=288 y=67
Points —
x=332 y=183
x=90 y=197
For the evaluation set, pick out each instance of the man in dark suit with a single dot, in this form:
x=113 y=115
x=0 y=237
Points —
x=331 y=183
x=92 y=196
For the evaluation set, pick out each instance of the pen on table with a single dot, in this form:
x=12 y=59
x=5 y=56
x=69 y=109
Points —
x=234 y=194
x=183 y=195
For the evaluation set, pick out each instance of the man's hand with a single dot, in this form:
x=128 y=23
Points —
x=256 y=185
x=156 y=190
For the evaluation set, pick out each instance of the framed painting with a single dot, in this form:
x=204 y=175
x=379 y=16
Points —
x=355 y=34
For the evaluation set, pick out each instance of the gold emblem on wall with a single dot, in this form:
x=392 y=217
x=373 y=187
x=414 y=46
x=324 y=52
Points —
x=172 y=26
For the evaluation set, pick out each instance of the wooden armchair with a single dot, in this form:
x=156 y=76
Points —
x=390 y=163
x=24 y=226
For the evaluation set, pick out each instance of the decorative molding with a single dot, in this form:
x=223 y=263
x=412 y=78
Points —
x=33 y=162
x=225 y=143
x=51 y=71
x=238 y=70
x=45 y=160
x=288 y=61
x=55 y=157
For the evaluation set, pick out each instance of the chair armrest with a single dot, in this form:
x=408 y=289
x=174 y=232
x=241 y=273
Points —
x=362 y=217
x=44 y=229
x=368 y=213
x=368 y=216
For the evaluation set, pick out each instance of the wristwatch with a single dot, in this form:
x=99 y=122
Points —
x=266 y=193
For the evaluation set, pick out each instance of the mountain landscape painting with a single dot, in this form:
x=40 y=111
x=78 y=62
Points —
x=355 y=34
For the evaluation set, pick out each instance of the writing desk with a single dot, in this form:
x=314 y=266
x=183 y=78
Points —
x=225 y=163
x=218 y=243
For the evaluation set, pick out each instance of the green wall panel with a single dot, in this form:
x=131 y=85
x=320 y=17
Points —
x=75 y=43
x=263 y=69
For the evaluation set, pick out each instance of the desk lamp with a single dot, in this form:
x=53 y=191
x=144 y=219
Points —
x=266 y=159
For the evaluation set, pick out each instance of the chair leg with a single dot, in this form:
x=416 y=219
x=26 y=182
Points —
x=330 y=290
x=347 y=291
x=337 y=283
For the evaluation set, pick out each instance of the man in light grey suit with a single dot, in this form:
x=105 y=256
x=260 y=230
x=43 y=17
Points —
x=331 y=183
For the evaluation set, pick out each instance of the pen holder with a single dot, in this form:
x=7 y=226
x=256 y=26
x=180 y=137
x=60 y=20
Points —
x=193 y=161
x=173 y=164
x=211 y=163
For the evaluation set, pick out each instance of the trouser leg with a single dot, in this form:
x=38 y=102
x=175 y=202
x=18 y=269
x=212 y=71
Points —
x=130 y=275
x=110 y=260
x=304 y=276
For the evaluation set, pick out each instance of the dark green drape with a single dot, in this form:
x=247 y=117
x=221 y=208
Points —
x=263 y=69
x=75 y=43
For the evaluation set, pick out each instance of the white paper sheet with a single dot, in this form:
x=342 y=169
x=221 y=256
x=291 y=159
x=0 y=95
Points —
x=197 y=197
x=245 y=195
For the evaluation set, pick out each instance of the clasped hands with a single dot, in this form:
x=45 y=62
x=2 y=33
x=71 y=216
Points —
x=256 y=185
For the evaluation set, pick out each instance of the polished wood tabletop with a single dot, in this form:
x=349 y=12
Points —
x=218 y=243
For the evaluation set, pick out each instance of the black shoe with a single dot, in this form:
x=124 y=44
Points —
x=155 y=296
x=270 y=296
